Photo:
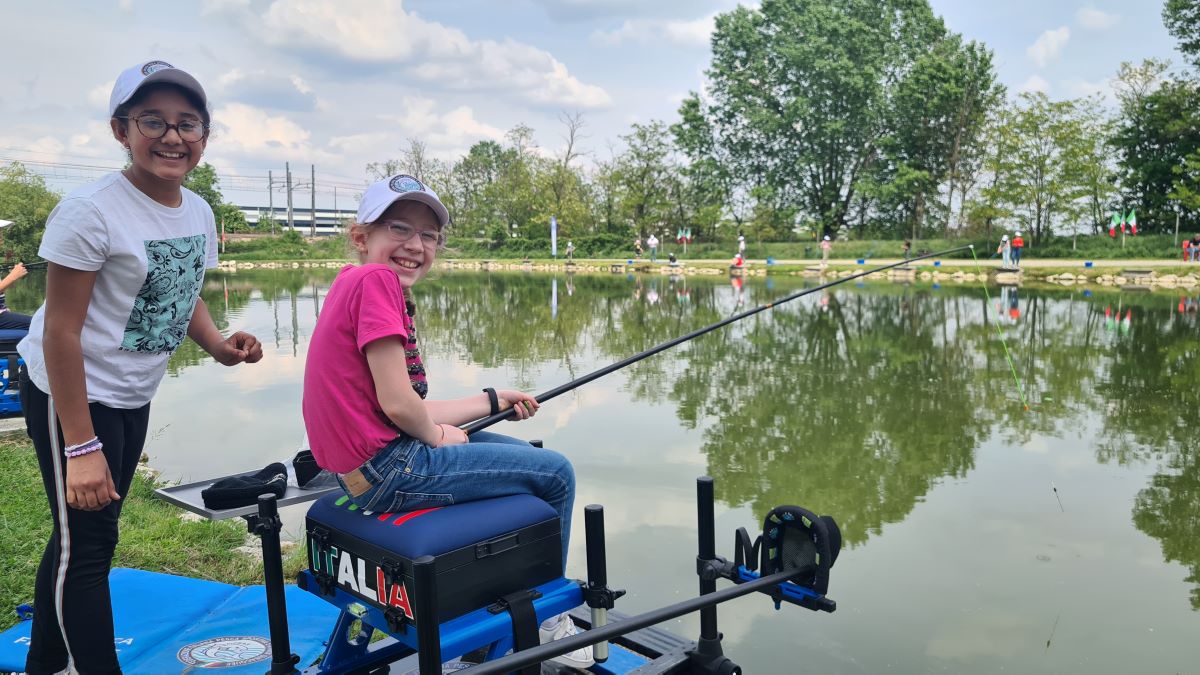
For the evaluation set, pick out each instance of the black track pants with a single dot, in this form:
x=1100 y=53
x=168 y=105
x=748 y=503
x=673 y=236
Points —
x=72 y=618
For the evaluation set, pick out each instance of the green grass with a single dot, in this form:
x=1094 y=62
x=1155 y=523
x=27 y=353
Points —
x=152 y=535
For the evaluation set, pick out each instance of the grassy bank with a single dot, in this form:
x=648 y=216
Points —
x=152 y=535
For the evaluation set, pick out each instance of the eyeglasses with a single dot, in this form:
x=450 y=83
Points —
x=402 y=231
x=155 y=127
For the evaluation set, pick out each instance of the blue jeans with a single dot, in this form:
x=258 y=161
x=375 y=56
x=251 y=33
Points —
x=1016 y=256
x=407 y=475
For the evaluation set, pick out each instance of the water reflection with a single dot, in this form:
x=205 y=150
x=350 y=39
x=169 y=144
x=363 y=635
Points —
x=895 y=408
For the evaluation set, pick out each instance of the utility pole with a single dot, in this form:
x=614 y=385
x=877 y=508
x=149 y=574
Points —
x=291 y=220
x=312 y=226
x=271 y=200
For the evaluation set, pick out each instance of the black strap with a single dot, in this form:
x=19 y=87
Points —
x=493 y=400
x=525 y=625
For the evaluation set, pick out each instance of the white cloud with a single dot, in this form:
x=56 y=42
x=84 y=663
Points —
x=1048 y=45
x=1077 y=88
x=446 y=134
x=267 y=90
x=1096 y=19
x=588 y=10
x=98 y=95
x=1035 y=83
x=241 y=128
x=125 y=5
x=693 y=33
x=219 y=6
x=379 y=33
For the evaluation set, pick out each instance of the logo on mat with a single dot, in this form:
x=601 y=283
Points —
x=403 y=183
x=225 y=652
x=154 y=66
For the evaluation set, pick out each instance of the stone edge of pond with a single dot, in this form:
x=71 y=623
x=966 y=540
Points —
x=948 y=272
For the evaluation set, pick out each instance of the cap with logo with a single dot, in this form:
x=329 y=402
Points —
x=382 y=194
x=151 y=72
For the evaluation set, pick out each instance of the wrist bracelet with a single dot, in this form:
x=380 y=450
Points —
x=82 y=449
x=72 y=448
x=493 y=400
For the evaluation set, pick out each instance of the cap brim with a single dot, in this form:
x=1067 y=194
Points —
x=439 y=209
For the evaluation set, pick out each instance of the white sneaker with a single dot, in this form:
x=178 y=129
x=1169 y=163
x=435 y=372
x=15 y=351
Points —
x=562 y=626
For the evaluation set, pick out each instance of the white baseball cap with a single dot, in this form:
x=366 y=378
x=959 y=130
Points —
x=150 y=72
x=382 y=194
x=1018 y=234
x=826 y=237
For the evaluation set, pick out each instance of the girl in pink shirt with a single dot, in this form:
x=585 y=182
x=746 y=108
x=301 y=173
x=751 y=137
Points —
x=365 y=406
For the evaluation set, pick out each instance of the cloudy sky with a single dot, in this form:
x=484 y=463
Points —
x=340 y=84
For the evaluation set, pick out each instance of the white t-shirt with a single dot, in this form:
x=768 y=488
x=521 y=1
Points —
x=150 y=261
x=652 y=242
x=741 y=243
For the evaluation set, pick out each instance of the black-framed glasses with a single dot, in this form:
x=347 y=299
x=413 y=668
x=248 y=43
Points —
x=402 y=232
x=155 y=127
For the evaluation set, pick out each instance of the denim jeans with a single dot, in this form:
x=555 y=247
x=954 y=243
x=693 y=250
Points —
x=407 y=475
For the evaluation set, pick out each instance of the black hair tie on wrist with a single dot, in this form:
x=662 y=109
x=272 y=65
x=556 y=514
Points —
x=493 y=400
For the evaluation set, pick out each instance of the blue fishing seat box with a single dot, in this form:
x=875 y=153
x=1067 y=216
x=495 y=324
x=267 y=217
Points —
x=482 y=551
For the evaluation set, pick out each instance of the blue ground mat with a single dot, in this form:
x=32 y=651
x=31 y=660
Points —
x=166 y=623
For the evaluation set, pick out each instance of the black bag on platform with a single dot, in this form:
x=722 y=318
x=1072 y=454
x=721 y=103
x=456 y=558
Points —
x=235 y=491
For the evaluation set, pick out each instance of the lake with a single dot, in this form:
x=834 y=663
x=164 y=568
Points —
x=980 y=536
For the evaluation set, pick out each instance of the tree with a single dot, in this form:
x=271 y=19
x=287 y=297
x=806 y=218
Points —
x=937 y=114
x=27 y=202
x=808 y=103
x=643 y=171
x=1182 y=18
x=1155 y=134
x=204 y=182
x=1034 y=180
x=711 y=184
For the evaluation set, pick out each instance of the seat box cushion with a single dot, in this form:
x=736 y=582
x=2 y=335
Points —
x=482 y=550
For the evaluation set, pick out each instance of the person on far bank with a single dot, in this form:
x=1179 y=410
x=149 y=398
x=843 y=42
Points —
x=826 y=247
x=365 y=407
x=906 y=247
x=570 y=251
x=1187 y=250
x=1196 y=248
x=741 y=244
x=10 y=320
x=127 y=256
x=1018 y=244
x=652 y=242
x=1005 y=251
x=637 y=248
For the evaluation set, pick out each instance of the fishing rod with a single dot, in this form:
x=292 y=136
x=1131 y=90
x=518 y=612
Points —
x=29 y=266
x=481 y=424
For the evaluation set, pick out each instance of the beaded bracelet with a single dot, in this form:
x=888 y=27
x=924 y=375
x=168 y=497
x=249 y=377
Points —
x=85 y=448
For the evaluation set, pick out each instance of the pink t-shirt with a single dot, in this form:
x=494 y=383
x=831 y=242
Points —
x=345 y=422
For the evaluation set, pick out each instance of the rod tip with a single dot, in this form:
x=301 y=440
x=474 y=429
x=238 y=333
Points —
x=970 y=245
